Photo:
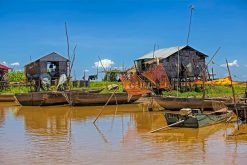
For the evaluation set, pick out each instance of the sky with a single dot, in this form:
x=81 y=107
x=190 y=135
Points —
x=120 y=31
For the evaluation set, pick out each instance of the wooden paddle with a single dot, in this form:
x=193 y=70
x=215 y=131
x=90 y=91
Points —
x=166 y=126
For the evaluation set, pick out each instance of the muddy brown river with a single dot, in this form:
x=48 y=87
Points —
x=67 y=135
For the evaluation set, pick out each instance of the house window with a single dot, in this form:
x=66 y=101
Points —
x=53 y=68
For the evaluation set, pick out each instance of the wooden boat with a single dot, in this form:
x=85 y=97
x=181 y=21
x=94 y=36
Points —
x=80 y=98
x=194 y=118
x=41 y=98
x=240 y=110
x=7 y=98
x=177 y=103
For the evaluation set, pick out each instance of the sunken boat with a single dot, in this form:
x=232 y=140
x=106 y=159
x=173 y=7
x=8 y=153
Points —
x=194 y=118
x=240 y=109
x=41 y=98
x=7 y=98
x=177 y=103
x=81 y=98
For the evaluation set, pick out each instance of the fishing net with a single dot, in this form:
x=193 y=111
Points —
x=157 y=76
x=134 y=85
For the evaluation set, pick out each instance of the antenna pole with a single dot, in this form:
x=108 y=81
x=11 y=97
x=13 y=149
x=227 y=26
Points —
x=191 y=11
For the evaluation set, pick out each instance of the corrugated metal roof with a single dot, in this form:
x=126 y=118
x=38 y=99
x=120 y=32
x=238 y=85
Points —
x=163 y=53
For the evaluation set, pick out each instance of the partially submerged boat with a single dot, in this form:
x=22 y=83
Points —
x=240 y=110
x=80 y=98
x=194 y=118
x=41 y=98
x=7 y=98
x=177 y=103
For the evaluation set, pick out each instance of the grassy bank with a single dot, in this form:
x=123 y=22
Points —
x=211 y=91
x=93 y=85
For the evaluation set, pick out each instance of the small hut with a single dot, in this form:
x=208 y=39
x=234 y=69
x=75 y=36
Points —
x=52 y=65
x=184 y=61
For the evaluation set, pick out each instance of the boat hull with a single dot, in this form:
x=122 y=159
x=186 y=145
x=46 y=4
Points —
x=41 y=98
x=177 y=103
x=7 y=98
x=90 y=99
x=198 y=120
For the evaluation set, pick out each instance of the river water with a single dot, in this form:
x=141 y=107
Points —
x=67 y=135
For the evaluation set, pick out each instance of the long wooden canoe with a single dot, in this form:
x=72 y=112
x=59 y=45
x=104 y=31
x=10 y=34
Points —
x=41 y=98
x=7 y=98
x=80 y=98
x=177 y=103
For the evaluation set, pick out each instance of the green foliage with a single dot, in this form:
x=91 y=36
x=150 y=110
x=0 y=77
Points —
x=20 y=89
x=112 y=75
x=16 y=76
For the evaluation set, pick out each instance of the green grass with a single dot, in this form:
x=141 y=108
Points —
x=211 y=91
x=102 y=84
x=21 y=89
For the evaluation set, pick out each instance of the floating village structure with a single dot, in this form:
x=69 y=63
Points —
x=51 y=66
x=183 y=62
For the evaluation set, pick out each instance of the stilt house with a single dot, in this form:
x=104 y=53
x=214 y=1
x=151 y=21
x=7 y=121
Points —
x=52 y=65
x=183 y=61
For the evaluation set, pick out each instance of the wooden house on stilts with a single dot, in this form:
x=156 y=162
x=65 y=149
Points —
x=51 y=66
x=181 y=63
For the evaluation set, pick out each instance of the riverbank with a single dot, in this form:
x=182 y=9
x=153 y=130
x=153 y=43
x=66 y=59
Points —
x=211 y=91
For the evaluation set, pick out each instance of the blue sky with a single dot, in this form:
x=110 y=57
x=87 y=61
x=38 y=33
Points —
x=122 y=30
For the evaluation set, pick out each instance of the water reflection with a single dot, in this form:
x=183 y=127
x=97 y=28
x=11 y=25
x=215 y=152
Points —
x=67 y=135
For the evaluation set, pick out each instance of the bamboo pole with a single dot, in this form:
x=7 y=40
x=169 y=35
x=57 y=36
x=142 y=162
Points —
x=167 y=126
x=178 y=69
x=233 y=90
x=188 y=36
x=68 y=47
x=203 y=87
x=105 y=105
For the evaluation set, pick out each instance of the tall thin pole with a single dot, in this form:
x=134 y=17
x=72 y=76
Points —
x=68 y=50
x=191 y=11
x=154 y=49
x=212 y=73
x=178 y=69
x=233 y=90
x=203 y=86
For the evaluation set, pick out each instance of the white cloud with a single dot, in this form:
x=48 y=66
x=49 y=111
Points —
x=105 y=62
x=4 y=63
x=86 y=70
x=15 y=64
x=234 y=63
